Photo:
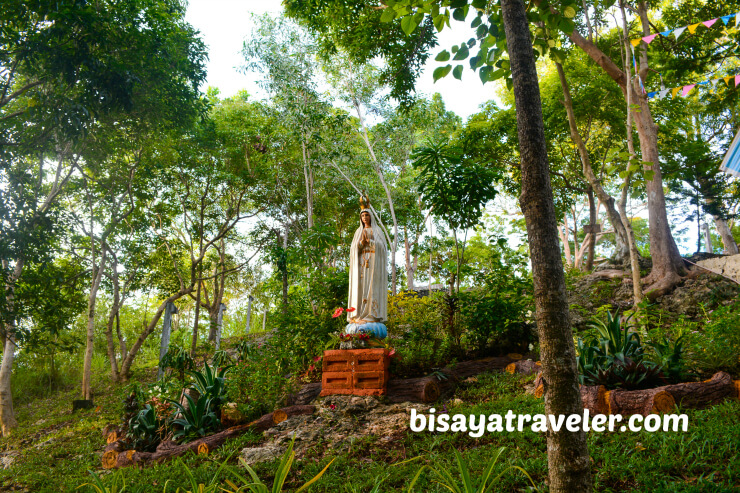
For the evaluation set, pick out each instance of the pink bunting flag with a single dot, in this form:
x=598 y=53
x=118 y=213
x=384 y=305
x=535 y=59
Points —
x=687 y=89
x=648 y=39
x=710 y=23
x=737 y=80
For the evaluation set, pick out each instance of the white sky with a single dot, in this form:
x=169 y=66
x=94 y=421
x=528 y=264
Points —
x=224 y=24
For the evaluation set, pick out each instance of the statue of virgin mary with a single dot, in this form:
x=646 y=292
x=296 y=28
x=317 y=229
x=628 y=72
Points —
x=368 y=277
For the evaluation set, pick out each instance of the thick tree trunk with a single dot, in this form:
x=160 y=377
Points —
x=728 y=242
x=194 y=341
x=567 y=452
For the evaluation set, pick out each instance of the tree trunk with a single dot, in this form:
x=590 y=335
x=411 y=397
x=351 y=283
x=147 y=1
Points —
x=667 y=262
x=592 y=219
x=567 y=452
x=7 y=413
x=90 y=339
x=729 y=243
x=410 y=268
x=113 y=318
x=621 y=251
x=128 y=361
x=194 y=341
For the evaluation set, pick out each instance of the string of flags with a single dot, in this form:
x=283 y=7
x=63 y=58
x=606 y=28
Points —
x=683 y=91
x=692 y=29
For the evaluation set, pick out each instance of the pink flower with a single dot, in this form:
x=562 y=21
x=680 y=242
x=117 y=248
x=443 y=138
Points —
x=350 y=310
x=317 y=358
x=338 y=312
x=392 y=352
x=332 y=407
x=311 y=368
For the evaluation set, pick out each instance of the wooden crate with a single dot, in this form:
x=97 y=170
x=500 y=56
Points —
x=355 y=372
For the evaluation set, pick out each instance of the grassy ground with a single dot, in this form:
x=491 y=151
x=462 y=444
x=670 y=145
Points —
x=56 y=449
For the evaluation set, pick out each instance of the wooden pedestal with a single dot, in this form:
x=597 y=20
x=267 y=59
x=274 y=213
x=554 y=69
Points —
x=355 y=372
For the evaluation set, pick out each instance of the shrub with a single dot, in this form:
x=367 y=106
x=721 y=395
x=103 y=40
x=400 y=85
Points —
x=258 y=383
x=717 y=346
x=494 y=321
x=178 y=360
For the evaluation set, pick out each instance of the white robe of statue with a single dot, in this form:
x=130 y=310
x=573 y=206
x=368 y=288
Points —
x=368 y=276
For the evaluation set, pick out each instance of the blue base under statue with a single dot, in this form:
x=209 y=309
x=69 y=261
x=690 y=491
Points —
x=375 y=328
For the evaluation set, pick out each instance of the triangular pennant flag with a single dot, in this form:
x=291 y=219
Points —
x=737 y=80
x=674 y=91
x=692 y=27
x=687 y=89
x=678 y=32
x=709 y=23
x=737 y=19
x=666 y=33
x=726 y=18
x=664 y=93
x=652 y=94
x=727 y=80
x=648 y=39
x=702 y=83
x=635 y=42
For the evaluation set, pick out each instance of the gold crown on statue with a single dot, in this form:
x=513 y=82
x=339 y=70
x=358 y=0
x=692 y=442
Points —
x=364 y=202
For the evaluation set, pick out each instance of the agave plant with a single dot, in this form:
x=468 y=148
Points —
x=616 y=337
x=144 y=428
x=211 y=384
x=467 y=483
x=196 y=419
x=669 y=356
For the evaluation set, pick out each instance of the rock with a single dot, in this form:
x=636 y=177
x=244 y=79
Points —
x=726 y=265
x=7 y=459
x=269 y=452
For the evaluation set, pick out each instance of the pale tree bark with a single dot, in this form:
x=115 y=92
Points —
x=308 y=176
x=7 y=413
x=621 y=252
x=564 y=233
x=634 y=255
x=567 y=452
x=97 y=272
x=728 y=242
x=668 y=266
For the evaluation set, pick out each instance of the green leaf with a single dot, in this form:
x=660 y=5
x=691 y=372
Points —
x=496 y=74
x=476 y=22
x=388 y=15
x=567 y=26
x=457 y=72
x=481 y=31
x=462 y=53
x=509 y=83
x=409 y=25
x=471 y=42
x=483 y=73
x=479 y=4
x=649 y=174
x=440 y=72
x=460 y=14
x=442 y=56
x=439 y=21
x=474 y=62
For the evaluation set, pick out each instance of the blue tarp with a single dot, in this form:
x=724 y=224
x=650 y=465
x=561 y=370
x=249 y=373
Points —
x=731 y=162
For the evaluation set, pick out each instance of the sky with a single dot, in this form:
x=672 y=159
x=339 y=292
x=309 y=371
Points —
x=224 y=25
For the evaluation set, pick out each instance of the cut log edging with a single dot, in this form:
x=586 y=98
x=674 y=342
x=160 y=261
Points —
x=115 y=457
x=688 y=395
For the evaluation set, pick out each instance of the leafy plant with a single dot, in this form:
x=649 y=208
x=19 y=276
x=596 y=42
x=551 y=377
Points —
x=212 y=485
x=99 y=487
x=281 y=474
x=145 y=428
x=211 y=384
x=221 y=358
x=179 y=360
x=669 y=356
x=616 y=338
x=466 y=483
x=196 y=419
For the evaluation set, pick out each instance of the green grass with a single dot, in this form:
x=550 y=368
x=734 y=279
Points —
x=706 y=458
